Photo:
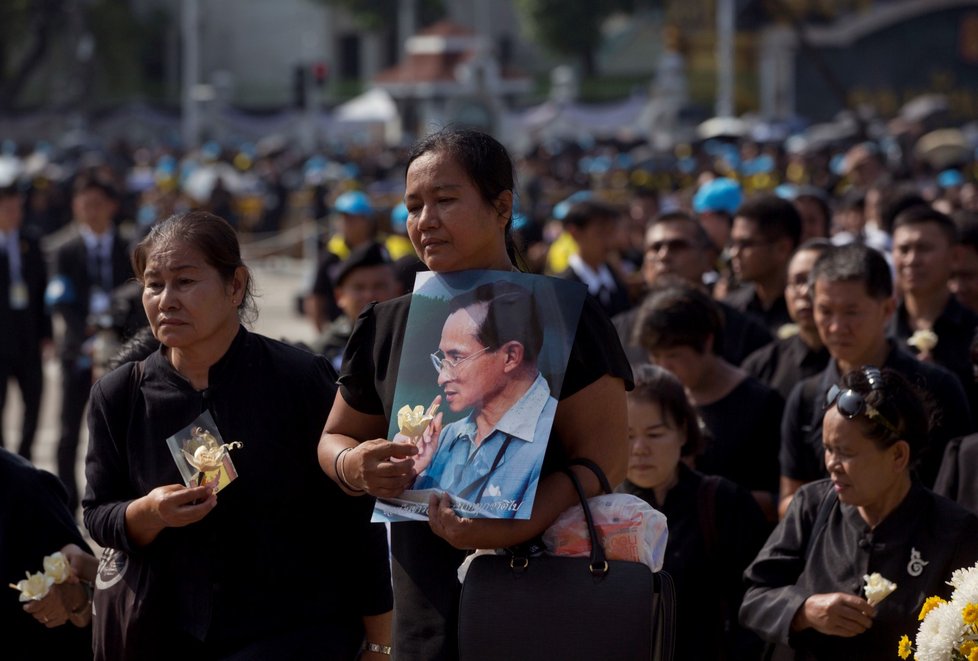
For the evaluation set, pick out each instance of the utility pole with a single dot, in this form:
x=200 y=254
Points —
x=191 y=70
x=725 y=58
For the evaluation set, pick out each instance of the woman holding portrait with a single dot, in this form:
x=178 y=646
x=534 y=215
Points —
x=244 y=573
x=806 y=589
x=459 y=196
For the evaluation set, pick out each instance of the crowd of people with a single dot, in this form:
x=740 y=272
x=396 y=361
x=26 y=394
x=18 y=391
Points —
x=781 y=364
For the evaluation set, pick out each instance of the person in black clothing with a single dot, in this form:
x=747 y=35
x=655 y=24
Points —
x=955 y=480
x=35 y=522
x=220 y=567
x=715 y=527
x=25 y=324
x=766 y=230
x=923 y=249
x=677 y=326
x=805 y=590
x=595 y=227
x=853 y=297
x=963 y=282
x=677 y=245
x=459 y=196
x=788 y=360
x=87 y=269
x=366 y=275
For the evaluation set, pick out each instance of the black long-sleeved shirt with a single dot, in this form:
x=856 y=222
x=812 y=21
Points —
x=284 y=547
x=917 y=547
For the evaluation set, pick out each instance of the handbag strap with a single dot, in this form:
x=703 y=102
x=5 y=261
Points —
x=667 y=617
x=598 y=565
x=594 y=468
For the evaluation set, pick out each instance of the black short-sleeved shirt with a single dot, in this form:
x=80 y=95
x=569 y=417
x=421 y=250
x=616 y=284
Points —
x=782 y=364
x=744 y=427
x=34 y=522
x=916 y=546
x=426 y=587
x=714 y=534
x=802 y=454
x=284 y=547
x=955 y=329
x=746 y=300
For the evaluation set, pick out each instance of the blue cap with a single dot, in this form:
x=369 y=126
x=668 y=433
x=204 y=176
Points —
x=561 y=208
x=720 y=194
x=354 y=202
x=399 y=216
x=950 y=178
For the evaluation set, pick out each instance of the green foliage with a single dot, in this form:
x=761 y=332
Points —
x=568 y=28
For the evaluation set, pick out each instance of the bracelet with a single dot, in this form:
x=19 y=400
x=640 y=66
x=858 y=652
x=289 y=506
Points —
x=380 y=649
x=339 y=473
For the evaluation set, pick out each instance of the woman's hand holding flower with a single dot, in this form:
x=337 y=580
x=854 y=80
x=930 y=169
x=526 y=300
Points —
x=835 y=614
x=169 y=506
x=379 y=467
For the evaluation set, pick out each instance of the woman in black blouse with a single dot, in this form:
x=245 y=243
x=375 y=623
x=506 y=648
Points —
x=459 y=196
x=280 y=563
x=715 y=526
x=805 y=588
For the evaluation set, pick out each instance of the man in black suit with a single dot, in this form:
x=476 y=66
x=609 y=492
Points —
x=595 y=227
x=87 y=269
x=25 y=326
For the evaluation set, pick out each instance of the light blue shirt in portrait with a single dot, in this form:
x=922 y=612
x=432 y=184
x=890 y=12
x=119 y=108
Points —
x=515 y=446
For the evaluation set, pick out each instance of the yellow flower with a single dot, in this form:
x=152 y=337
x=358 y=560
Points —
x=903 y=651
x=970 y=614
x=929 y=605
x=967 y=647
x=974 y=654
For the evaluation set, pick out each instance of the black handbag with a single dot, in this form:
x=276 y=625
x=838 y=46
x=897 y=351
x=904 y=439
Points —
x=548 y=607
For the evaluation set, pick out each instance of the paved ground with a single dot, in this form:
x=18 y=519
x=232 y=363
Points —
x=278 y=280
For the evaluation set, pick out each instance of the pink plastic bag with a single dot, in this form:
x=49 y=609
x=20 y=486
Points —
x=629 y=528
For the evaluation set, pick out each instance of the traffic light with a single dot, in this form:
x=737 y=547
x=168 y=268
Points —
x=320 y=74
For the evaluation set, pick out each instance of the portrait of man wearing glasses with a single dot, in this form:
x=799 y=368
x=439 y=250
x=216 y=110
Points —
x=487 y=365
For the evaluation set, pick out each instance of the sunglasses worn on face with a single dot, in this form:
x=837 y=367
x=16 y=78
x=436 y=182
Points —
x=851 y=404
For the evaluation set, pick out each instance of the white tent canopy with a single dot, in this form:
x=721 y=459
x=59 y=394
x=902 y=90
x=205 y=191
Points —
x=374 y=109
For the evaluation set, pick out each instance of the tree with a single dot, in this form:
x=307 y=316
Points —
x=67 y=53
x=27 y=30
x=570 y=28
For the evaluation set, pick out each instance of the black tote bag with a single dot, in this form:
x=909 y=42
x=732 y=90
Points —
x=550 y=607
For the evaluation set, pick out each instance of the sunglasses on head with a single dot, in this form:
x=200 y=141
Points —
x=851 y=403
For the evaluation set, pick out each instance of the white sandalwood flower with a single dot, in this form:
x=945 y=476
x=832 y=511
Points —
x=208 y=458
x=923 y=341
x=413 y=422
x=877 y=588
x=56 y=566
x=34 y=587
